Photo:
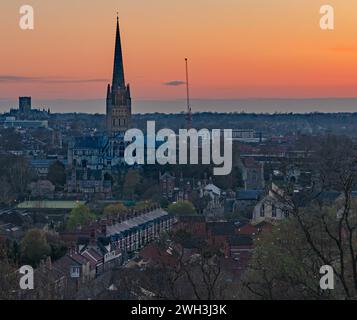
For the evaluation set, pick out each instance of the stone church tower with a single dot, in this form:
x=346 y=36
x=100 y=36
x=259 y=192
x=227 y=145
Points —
x=118 y=95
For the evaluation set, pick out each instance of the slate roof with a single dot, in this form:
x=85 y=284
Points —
x=92 y=256
x=79 y=259
x=15 y=216
x=211 y=187
x=65 y=263
x=135 y=222
x=249 y=194
x=221 y=228
x=89 y=142
x=167 y=176
x=240 y=240
x=44 y=163
x=192 y=218
x=329 y=195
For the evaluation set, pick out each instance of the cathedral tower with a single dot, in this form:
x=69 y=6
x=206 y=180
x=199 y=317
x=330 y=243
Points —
x=118 y=94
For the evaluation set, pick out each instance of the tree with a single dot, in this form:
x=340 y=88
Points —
x=58 y=247
x=15 y=175
x=177 y=275
x=283 y=266
x=287 y=263
x=181 y=208
x=10 y=139
x=34 y=247
x=115 y=210
x=80 y=215
x=131 y=181
x=8 y=276
x=142 y=205
x=200 y=203
x=6 y=195
x=57 y=174
x=19 y=175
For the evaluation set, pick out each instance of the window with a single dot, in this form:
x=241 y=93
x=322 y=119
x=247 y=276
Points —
x=273 y=211
x=254 y=176
x=75 y=271
x=262 y=210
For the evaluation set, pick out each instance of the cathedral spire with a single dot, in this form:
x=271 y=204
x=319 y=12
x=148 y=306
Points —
x=118 y=72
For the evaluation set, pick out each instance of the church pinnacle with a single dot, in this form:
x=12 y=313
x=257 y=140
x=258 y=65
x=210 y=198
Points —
x=118 y=94
x=118 y=72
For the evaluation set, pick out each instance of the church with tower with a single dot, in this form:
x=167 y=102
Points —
x=91 y=159
x=118 y=94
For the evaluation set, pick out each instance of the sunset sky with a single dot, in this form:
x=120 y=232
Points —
x=237 y=49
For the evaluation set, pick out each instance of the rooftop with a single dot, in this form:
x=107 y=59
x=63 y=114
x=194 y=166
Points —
x=135 y=222
x=47 y=204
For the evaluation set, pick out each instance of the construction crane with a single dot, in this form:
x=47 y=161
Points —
x=189 y=110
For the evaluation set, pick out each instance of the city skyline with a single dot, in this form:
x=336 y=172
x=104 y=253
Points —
x=236 y=50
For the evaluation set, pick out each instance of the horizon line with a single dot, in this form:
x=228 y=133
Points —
x=184 y=99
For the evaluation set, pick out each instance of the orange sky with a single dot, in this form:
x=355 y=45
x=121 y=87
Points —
x=237 y=48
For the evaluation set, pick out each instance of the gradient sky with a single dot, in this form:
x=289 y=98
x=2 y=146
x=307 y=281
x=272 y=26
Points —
x=237 y=48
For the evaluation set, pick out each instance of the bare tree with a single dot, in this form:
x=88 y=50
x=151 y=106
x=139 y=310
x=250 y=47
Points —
x=326 y=233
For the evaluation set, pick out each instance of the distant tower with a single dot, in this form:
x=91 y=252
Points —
x=24 y=104
x=189 y=110
x=118 y=94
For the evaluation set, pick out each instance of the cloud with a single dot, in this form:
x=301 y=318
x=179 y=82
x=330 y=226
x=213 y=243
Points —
x=15 y=78
x=8 y=78
x=175 y=83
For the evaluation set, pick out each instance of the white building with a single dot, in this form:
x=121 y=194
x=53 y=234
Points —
x=272 y=207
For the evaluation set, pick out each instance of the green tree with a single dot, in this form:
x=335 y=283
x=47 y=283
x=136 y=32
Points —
x=131 y=181
x=34 y=247
x=57 y=174
x=58 y=247
x=199 y=202
x=114 y=210
x=141 y=205
x=79 y=216
x=182 y=208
